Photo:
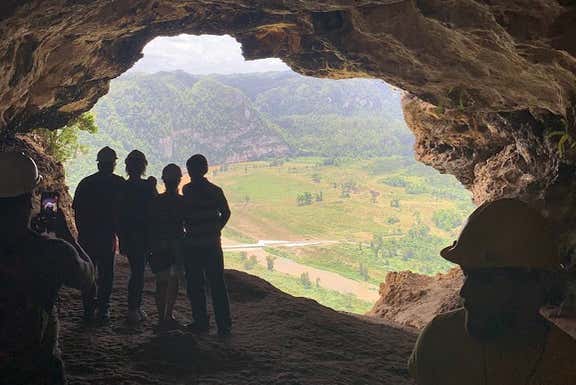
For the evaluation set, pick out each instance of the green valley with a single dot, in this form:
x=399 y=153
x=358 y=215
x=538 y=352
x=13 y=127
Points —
x=325 y=193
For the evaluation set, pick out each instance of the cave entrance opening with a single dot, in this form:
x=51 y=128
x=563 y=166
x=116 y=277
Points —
x=326 y=195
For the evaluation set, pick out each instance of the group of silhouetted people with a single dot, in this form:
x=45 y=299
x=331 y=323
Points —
x=508 y=255
x=177 y=235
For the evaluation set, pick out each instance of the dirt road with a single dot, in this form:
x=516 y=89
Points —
x=328 y=280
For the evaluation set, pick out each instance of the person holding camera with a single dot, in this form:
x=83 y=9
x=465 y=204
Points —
x=33 y=268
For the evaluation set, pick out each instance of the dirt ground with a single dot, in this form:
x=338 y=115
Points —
x=277 y=339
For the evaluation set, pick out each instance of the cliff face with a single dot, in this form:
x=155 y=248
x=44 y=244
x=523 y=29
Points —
x=413 y=299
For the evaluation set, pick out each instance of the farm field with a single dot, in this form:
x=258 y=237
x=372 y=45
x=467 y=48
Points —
x=373 y=216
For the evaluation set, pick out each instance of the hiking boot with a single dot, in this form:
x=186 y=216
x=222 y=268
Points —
x=198 y=328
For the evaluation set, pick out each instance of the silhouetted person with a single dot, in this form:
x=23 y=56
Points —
x=509 y=261
x=166 y=225
x=95 y=207
x=207 y=212
x=133 y=229
x=33 y=268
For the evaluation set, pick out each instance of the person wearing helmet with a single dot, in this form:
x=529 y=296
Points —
x=206 y=213
x=166 y=225
x=133 y=229
x=33 y=268
x=95 y=206
x=509 y=260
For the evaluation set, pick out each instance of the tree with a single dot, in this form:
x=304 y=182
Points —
x=376 y=244
x=395 y=202
x=392 y=220
x=270 y=262
x=374 y=196
x=447 y=219
x=250 y=262
x=62 y=143
x=304 y=199
x=363 y=270
x=305 y=280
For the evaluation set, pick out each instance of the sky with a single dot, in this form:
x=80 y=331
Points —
x=204 y=54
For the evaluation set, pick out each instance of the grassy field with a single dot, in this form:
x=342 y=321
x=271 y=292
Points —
x=264 y=198
x=386 y=214
x=300 y=288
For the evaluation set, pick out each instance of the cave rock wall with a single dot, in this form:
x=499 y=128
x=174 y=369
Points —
x=58 y=56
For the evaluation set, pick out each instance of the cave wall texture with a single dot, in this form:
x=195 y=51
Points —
x=486 y=81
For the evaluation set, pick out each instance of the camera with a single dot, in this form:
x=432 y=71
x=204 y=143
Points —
x=45 y=222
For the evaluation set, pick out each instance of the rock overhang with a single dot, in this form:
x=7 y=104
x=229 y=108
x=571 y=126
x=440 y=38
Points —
x=487 y=81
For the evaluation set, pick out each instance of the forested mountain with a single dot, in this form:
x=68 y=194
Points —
x=230 y=118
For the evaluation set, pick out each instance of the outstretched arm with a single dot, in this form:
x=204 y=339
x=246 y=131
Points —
x=77 y=270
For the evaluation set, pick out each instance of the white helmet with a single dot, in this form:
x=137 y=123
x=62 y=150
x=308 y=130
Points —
x=18 y=174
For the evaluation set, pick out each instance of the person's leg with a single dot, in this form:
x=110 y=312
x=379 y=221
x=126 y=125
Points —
x=195 y=288
x=105 y=280
x=161 y=293
x=136 y=281
x=172 y=294
x=220 y=301
x=89 y=295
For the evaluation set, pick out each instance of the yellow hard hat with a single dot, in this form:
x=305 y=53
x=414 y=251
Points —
x=505 y=233
x=18 y=174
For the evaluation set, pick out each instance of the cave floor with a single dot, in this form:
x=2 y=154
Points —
x=277 y=339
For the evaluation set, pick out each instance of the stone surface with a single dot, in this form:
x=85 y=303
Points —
x=277 y=339
x=58 y=56
x=412 y=299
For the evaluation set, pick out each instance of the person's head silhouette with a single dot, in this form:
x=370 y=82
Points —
x=197 y=166
x=106 y=159
x=136 y=163
x=507 y=254
x=172 y=175
x=20 y=175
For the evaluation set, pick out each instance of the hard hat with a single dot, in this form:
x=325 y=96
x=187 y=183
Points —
x=505 y=233
x=136 y=156
x=171 y=172
x=18 y=174
x=197 y=165
x=106 y=154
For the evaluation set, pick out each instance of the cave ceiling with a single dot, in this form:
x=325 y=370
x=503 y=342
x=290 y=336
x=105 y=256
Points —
x=486 y=81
